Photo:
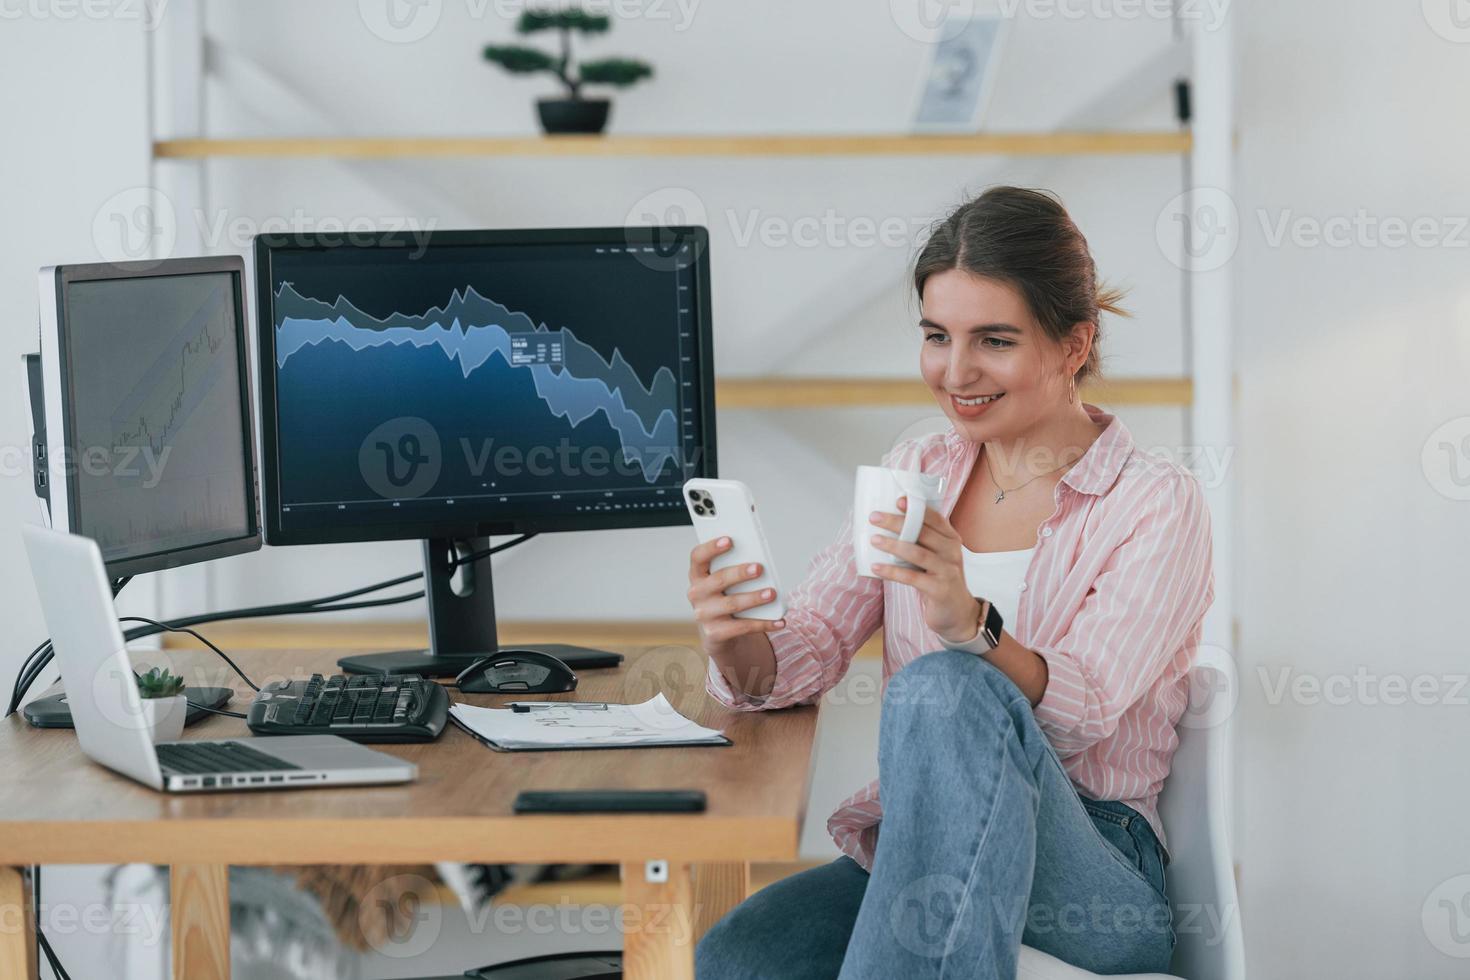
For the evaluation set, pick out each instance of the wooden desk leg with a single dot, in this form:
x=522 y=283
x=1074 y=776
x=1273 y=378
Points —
x=662 y=921
x=199 y=899
x=17 y=926
x=658 y=922
x=718 y=888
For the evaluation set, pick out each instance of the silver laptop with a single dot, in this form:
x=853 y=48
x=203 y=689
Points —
x=106 y=708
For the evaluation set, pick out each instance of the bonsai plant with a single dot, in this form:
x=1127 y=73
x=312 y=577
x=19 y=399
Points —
x=572 y=114
x=164 y=704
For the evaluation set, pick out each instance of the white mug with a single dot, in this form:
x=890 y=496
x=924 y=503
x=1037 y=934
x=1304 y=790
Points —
x=878 y=488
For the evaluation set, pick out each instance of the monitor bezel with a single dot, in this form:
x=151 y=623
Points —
x=267 y=245
x=59 y=395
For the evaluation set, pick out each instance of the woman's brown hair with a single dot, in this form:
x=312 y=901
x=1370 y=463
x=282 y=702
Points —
x=1026 y=239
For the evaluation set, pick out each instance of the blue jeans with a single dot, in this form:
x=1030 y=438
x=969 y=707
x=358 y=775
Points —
x=984 y=845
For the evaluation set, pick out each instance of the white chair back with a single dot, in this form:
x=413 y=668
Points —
x=1195 y=807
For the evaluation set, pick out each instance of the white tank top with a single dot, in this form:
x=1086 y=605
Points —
x=997 y=576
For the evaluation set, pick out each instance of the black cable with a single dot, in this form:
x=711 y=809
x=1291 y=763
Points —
x=43 y=651
x=154 y=627
x=353 y=594
x=475 y=556
x=28 y=676
x=42 y=655
x=56 y=968
x=214 y=711
x=198 y=636
x=165 y=627
x=41 y=941
x=26 y=667
x=392 y=600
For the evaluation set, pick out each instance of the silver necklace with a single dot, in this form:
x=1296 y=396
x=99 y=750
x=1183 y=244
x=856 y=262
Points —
x=1001 y=495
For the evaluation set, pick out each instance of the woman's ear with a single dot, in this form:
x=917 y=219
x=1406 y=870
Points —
x=1078 y=344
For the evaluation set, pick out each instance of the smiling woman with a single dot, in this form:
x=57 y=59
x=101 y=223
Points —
x=1036 y=646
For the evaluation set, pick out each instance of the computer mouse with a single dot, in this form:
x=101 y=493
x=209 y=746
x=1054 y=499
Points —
x=517 y=672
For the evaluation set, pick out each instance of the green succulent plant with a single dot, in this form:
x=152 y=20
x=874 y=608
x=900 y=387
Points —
x=521 y=60
x=159 y=683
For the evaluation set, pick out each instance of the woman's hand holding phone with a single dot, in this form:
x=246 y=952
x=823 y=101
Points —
x=713 y=610
x=739 y=647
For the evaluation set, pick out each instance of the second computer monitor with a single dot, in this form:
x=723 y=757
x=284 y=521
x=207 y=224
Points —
x=475 y=382
x=145 y=409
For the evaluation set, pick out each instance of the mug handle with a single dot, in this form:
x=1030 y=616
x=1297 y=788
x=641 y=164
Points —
x=913 y=519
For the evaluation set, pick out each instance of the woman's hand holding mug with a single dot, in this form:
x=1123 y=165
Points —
x=938 y=573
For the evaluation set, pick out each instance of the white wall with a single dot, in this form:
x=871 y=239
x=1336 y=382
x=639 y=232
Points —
x=75 y=131
x=1350 y=558
x=75 y=134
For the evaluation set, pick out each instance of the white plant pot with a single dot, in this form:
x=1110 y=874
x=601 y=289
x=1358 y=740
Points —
x=164 y=717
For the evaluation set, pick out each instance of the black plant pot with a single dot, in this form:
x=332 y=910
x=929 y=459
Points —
x=573 y=115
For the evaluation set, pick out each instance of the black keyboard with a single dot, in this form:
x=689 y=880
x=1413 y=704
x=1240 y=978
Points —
x=210 y=758
x=362 y=707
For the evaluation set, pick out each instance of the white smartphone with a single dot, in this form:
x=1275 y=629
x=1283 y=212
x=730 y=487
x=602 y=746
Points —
x=726 y=508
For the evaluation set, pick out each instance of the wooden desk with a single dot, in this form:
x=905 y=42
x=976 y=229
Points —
x=60 y=808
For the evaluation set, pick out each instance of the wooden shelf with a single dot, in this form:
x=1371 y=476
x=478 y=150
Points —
x=779 y=392
x=795 y=145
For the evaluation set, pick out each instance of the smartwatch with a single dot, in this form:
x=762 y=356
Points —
x=987 y=638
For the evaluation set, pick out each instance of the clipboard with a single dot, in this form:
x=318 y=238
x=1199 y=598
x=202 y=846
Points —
x=628 y=726
x=721 y=743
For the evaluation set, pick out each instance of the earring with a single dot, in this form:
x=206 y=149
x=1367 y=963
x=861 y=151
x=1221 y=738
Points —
x=1072 y=391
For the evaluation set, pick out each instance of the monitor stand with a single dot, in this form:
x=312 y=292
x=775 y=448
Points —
x=462 y=621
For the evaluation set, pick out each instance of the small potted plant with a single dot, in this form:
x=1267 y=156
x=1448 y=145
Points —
x=572 y=114
x=164 y=704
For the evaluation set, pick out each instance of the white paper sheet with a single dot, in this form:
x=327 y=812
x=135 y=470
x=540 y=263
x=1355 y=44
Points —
x=574 y=724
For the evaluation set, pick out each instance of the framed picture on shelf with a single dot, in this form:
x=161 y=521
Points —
x=960 y=74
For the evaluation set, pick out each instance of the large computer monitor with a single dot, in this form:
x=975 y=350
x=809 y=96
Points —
x=143 y=423
x=452 y=385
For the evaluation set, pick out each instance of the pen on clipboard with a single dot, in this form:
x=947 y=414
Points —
x=521 y=707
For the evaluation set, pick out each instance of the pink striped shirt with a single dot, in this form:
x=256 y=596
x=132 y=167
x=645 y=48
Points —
x=1114 y=601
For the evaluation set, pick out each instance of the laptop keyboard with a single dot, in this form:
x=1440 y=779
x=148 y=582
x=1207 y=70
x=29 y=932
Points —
x=210 y=758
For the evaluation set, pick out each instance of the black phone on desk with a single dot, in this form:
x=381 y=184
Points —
x=610 y=801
